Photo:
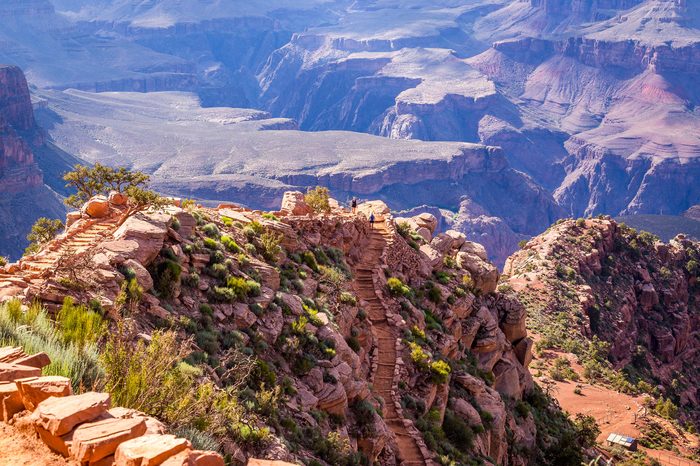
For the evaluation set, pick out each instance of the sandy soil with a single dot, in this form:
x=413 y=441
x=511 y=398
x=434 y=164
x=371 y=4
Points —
x=615 y=412
x=21 y=449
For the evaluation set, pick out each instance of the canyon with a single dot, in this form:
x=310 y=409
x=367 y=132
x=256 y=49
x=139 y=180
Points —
x=592 y=103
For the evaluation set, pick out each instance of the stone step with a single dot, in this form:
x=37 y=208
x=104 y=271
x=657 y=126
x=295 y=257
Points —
x=149 y=450
x=97 y=440
x=34 y=390
x=58 y=416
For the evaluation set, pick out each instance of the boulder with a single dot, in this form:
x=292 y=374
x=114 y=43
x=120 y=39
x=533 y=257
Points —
x=72 y=217
x=11 y=353
x=378 y=208
x=117 y=198
x=484 y=274
x=187 y=223
x=293 y=203
x=10 y=401
x=458 y=238
x=96 y=207
x=94 y=441
x=432 y=255
x=442 y=242
x=427 y=220
x=243 y=316
x=9 y=372
x=149 y=450
x=153 y=425
x=59 y=416
x=476 y=249
x=467 y=412
x=148 y=231
x=507 y=379
x=39 y=360
x=36 y=389
x=523 y=351
x=424 y=233
x=143 y=276
x=206 y=458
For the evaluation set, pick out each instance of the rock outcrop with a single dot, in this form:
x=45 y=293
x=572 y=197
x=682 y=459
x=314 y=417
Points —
x=326 y=321
x=23 y=195
x=628 y=289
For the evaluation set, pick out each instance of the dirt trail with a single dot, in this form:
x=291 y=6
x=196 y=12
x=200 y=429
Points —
x=386 y=335
x=20 y=449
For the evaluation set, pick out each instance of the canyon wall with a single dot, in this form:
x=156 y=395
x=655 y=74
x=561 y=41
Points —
x=23 y=195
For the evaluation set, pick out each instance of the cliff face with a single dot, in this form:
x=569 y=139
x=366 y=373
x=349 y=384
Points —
x=627 y=289
x=23 y=196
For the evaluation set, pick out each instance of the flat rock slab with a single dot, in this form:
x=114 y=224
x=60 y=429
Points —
x=206 y=458
x=11 y=353
x=94 y=441
x=195 y=458
x=10 y=401
x=60 y=415
x=39 y=360
x=149 y=450
x=34 y=390
x=9 y=372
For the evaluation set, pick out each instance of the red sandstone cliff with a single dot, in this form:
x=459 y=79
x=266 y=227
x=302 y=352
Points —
x=23 y=195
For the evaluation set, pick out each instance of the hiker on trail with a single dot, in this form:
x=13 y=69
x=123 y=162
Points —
x=371 y=221
x=354 y=205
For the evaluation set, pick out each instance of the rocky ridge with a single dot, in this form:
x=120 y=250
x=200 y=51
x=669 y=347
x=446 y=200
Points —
x=627 y=289
x=446 y=309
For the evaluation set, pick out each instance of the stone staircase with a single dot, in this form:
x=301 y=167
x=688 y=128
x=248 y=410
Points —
x=85 y=428
x=33 y=269
x=387 y=361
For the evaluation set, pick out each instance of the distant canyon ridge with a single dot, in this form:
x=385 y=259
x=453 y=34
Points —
x=498 y=116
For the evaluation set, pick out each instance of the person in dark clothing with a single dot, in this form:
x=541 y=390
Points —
x=354 y=205
x=371 y=221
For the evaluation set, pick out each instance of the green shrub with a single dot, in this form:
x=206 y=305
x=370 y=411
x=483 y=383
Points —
x=241 y=287
x=458 y=432
x=318 y=199
x=397 y=288
x=230 y=244
x=348 y=298
x=218 y=271
x=222 y=294
x=3 y=261
x=212 y=244
x=418 y=356
x=211 y=230
x=353 y=343
x=404 y=229
x=270 y=216
x=34 y=331
x=270 y=244
x=167 y=277
x=191 y=279
x=308 y=258
x=79 y=325
x=440 y=371
x=434 y=294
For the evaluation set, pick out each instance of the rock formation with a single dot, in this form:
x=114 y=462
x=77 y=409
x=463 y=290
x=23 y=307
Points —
x=324 y=313
x=23 y=195
x=628 y=289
